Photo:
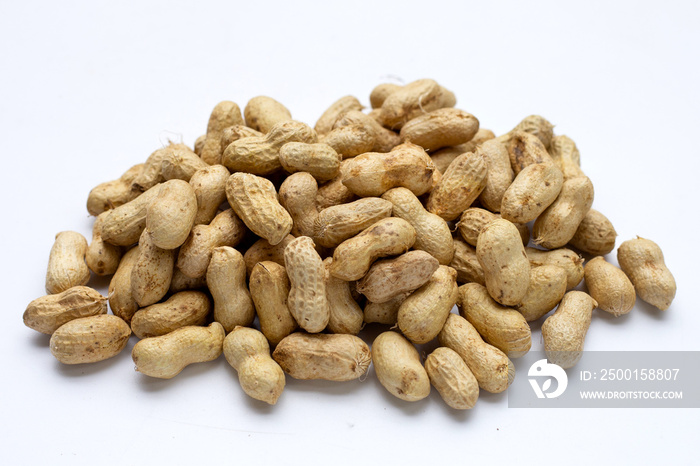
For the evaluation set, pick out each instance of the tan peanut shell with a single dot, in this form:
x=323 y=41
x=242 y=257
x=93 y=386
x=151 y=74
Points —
x=48 y=313
x=121 y=301
x=225 y=230
x=351 y=140
x=466 y=263
x=412 y=100
x=443 y=158
x=236 y=132
x=226 y=279
x=566 y=155
x=389 y=278
x=397 y=364
x=533 y=124
x=381 y=92
x=262 y=113
x=151 y=272
x=595 y=234
x=170 y=217
x=374 y=173
x=564 y=331
x=452 y=378
x=491 y=367
x=567 y=259
x=337 y=358
x=557 y=225
x=422 y=315
x=499 y=173
x=500 y=252
x=247 y=351
x=546 y=290
x=102 y=258
x=319 y=160
x=255 y=201
x=459 y=187
x=335 y=224
x=180 y=310
x=440 y=128
x=384 y=139
x=209 y=186
x=335 y=111
x=333 y=193
x=152 y=172
x=346 y=315
x=111 y=194
x=298 y=196
x=432 y=232
x=123 y=225
x=353 y=257
x=89 y=339
x=307 y=301
x=643 y=262
x=269 y=288
x=181 y=282
x=526 y=149
x=181 y=164
x=67 y=267
x=384 y=313
x=609 y=286
x=199 y=144
x=262 y=250
x=474 y=220
x=500 y=326
x=531 y=192
x=224 y=115
x=166 y=356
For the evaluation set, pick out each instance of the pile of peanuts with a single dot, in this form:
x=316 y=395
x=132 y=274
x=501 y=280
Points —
x=372 y=217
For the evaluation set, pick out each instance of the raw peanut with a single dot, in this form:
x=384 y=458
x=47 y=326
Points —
x=353 y=257
x=247 y=351
x=328 y=357
x=226 y=276
x=499 y=173
x=609 y=286
x=531 y=192
x=565 y=154
x=567 y=259
x=209 y=186
x=199 y=144
x=334 y=192
x=643 y=262
x=260 y=155
x=432 y=232
x=110 y=194
x=262 y=113
x=412 y=100
x=461 y=184
x=121 y=301
x=398 y=367
x=123 y=225
x=384 y=313
x=152 y=172
x=67 y=267
x=236 y=132
x=89 y=339
x=170 y=217
x=262 y=250
x=152 y=271
x=376 y=114
x=254 y=200
x=440 y=128
x=500 y=326
x=389 y=278
x=48 y=313
x=102 y=258
x=384 y=139
x=546 y=290
x=319 y=160
x=502 y=256
x=373 y=173
x=225 y=230
x=345 y=314
x=180 y=310
x=335 y=224
x=224 y=115
x=558 y=223
x=181 y=164
x=444 y=157
x=474 y=220
x=335 y=111
x=466 y=263
x=298 y=196
x=565 y=331
x=535 y=125
x=381 y=92
x=181 y=282
x=351 y=140
x=492 y=368
x=166 y=356
x=452 y=378
x=595 y=234
x=307 y=301
x=423 y=314
x=269 y=287
x=526 y=149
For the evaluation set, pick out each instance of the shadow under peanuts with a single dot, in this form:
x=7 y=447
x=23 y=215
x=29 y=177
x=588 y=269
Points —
x=40 y=340
x=651 y=310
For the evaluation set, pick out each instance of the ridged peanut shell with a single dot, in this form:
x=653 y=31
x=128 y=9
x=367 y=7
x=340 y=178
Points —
x=609 y=286
x=307 y=301
x=567 y=259
x=460 y=186
x=389 y=278
x=398 y=367
x=262 y=113
x=170 y=217
x=335 y=224
x=557 y=225
x=48 y=313
x=595 y=234
x=547 y=288
x=123 y=225
x=67 y=267
x=643 y=262
x=440 y=128
x=531 y=192
x=102 y=258
x=226 y=280
x=89 y=339
x=180 y=310
x=452 y=378
x=269 y=288
x=564 y=331
x=345 y=314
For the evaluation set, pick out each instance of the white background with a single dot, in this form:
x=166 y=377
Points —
x=88 y=89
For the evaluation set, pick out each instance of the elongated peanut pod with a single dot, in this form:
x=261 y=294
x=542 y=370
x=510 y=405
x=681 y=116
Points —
x=397 y=364
x=102 y=258
x=226 y=276
x=452 y=378
x=564 y=331
x=180 y=310
x=269 y=288
x=89 y=339
x=152 y=272
x=307 y=302
x=643 y=262
x=67 y=267
x=48 y=313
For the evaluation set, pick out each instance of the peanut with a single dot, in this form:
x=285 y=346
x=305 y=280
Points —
x=443 y=158
x=452 y=378
x=384 y=313
x=566 y=155
x=262 y=113
x=334 y=192
x=546 y=290
x=152 y=272
x=557 y=225
x=224 y=115
x=531 y=192
x=307 y=301
x=48 y=313
x=535 y=125
x=269 y=288
x=298 y=196
x=564 y=331
x=595 y=234
x=121 y=301
x=567 y=259
x=335 y=111
x=643 y=262
x=102 y=258
x=152 y=172
x=412 y=100
x=384 y=139
x=226 y=276
x=526 y=149
x=499 y=173
x=89 y=339
x=181 y=282
x=466 y=263
x=236 y=132
x=398 y=367
x=440 y=128
x=609 y=286
x=351 y=140
x=199 y=144
x=262 y=250
x=381 y=92
x=335 y=224
x=110 y=194
x=346 y=315
x=123 y=225
x=170 y=217
x=67 y=267
x=461 y=184
x=389 y=278
x=319 y=160
x=181 y=164
x=474 y=220
x=180 y=310
x=209 y=186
